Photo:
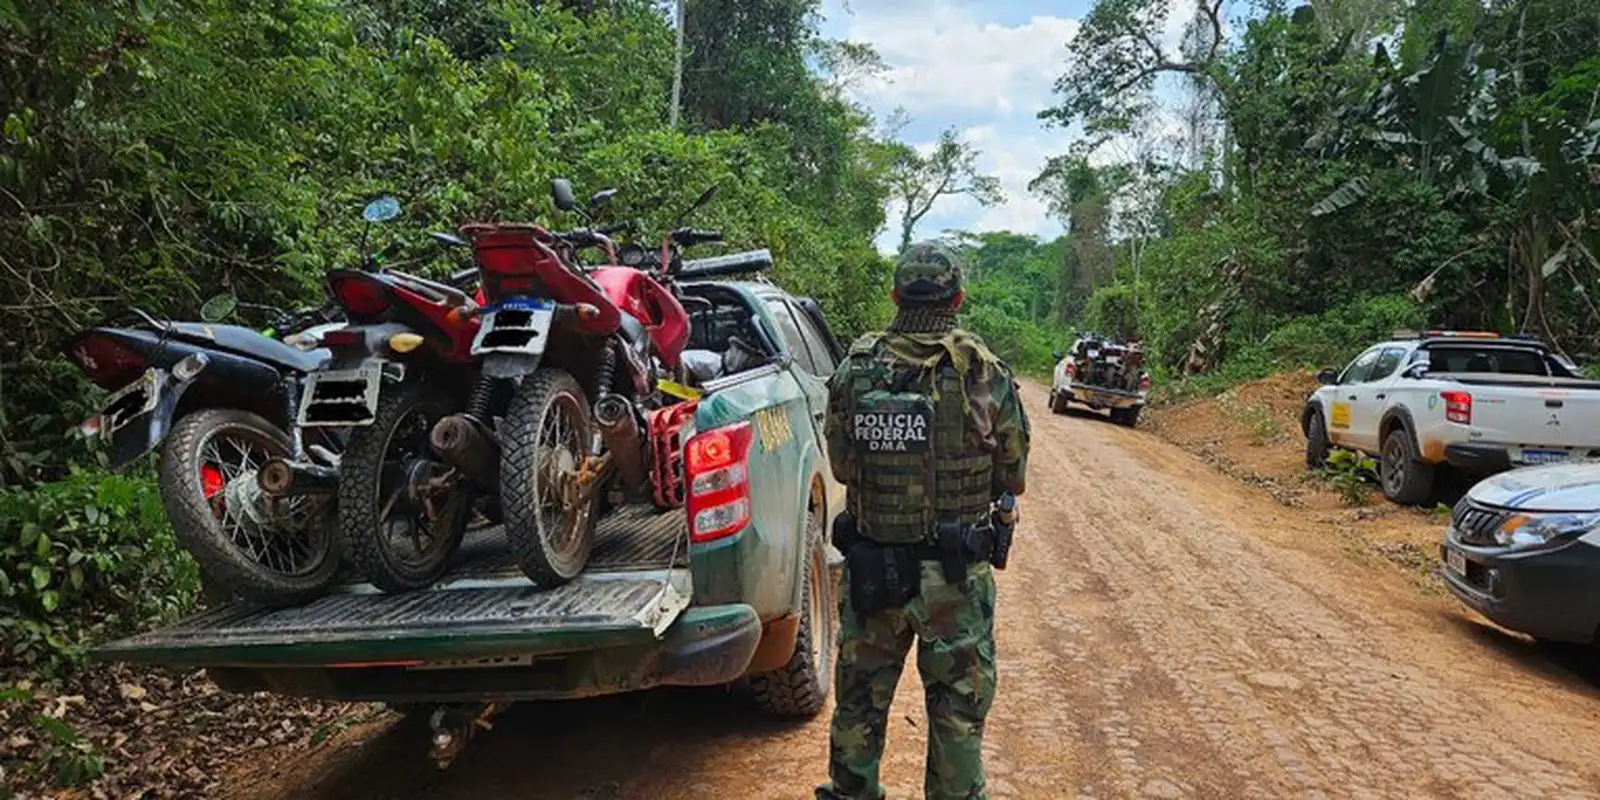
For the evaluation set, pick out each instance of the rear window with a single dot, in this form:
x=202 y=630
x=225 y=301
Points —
x=1494 y=360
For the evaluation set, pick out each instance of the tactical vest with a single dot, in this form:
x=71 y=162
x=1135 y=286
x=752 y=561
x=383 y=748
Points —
x=915 y=463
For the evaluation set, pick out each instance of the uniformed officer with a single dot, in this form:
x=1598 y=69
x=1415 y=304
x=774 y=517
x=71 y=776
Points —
x=926 y=430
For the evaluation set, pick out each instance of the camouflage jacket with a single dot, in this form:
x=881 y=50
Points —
x=996 y=421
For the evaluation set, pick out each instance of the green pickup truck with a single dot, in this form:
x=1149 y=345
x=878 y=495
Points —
x=701 y=596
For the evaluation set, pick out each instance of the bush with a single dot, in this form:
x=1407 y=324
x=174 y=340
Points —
x=92 y=555
x=1349 y=472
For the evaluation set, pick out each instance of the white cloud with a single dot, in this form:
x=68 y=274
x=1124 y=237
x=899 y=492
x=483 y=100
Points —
x=942 y=59
x=949 y=64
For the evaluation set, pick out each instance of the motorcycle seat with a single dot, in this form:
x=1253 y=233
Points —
x=250 y=343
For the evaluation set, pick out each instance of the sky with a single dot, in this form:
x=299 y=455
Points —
x=986 y=67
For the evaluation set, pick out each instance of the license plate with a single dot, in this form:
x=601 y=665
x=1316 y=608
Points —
x=1455 y=560
x=130 y=402
x=341 y=397
x=518 y=325
x=1545 y=456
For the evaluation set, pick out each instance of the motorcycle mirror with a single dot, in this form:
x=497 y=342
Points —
x=449 y=240
x=561 y=194
x=602 y=197
x=705 y=197
x=382 y=209
x=219 y=308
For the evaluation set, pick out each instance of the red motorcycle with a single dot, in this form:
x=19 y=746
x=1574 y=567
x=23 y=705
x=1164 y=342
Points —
x=554 y=337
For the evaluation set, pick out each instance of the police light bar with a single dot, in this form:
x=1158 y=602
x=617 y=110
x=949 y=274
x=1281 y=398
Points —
x=1461 y=335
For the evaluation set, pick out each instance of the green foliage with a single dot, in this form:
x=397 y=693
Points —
x=92 y=554
x=1349 y=472
x=1445 y=178
x=72 y=758
x=1011 y=280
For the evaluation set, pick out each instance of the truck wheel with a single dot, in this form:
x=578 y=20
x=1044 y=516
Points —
x=1127 y=417
x=800 y=688
x=546 y=440
x=1316 y=441
x=273 y=552
x=401 y=514
x=1406 y=479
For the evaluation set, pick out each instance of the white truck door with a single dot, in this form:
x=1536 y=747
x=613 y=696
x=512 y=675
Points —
x=1343 y=397
x=1372 y=398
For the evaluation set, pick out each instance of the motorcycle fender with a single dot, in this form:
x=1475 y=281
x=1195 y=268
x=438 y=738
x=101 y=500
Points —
x=510 y=366
x=145 y=431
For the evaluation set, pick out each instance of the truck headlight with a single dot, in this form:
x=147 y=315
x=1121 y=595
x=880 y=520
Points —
x=1524 y=532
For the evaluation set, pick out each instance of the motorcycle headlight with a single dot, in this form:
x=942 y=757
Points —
x=1524 y=532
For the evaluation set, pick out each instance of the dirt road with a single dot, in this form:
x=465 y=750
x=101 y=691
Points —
x=1163 y=632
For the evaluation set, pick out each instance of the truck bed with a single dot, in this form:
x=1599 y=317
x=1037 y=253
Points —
x=636 y=584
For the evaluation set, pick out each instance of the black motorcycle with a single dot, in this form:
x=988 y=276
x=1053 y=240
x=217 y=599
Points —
x=219 y=401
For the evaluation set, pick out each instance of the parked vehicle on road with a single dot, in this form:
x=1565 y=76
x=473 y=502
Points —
x=1102 y=374
x=1477 y=402
x=1523 y=549
x=219 y=400
x=735 y=585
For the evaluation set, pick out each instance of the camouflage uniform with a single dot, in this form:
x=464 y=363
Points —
x=953 y=624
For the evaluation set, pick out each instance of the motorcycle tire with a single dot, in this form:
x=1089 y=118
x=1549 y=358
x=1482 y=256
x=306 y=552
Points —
x=276 y=553
x=382 y=522
x=547 y=428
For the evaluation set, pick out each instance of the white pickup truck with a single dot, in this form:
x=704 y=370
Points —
x=1477 y=402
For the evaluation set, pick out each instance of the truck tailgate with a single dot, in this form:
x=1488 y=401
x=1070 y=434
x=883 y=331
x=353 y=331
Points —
x=1535 y=413
x=637 y=586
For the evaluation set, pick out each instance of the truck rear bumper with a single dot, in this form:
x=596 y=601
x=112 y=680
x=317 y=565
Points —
x=706 y=646
x=1478 y=459
x=1101 y=398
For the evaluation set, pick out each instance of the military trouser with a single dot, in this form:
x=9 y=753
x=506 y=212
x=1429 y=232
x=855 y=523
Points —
x=954 y=629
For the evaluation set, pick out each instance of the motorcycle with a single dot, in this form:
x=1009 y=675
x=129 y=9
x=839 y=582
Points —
x=398 y=368
x=558 y=335
x=219 y=401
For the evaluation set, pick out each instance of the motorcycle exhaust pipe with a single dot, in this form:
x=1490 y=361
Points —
x=282 y=478
x=619 y=429
x=463 y=443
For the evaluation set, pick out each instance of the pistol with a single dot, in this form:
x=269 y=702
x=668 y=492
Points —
x=1004 y=519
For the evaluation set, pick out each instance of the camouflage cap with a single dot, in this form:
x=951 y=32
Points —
x=927 y=273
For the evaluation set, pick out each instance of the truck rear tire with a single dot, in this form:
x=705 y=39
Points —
x=800 y=687
x=1407 y=479
x=1126 y=417
x=1058 y=403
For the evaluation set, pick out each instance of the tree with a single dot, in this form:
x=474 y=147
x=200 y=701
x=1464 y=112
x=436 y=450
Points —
x=1117 y=56
x=918 y=181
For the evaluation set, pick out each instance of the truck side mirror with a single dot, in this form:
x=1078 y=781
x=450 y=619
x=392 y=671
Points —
x=1057 y=355
x=1328 y=377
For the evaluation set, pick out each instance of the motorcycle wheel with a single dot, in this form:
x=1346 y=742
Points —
x=402 y=512
x=274 y=552
x=549 y=524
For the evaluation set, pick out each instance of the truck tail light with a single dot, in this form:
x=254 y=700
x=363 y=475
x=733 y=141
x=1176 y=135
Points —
x=1457 y=407
x=717 y=466
x=1144 y=383
x=1070 y=369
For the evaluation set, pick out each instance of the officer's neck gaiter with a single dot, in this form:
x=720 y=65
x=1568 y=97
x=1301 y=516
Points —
x=925 y=319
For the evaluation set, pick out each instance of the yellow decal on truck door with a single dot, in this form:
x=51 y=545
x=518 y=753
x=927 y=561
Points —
x=1341 y=416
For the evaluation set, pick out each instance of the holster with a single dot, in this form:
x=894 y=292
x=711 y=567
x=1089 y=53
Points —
x=961 y=546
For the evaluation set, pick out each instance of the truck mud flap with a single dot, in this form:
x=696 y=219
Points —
x=596 y=610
